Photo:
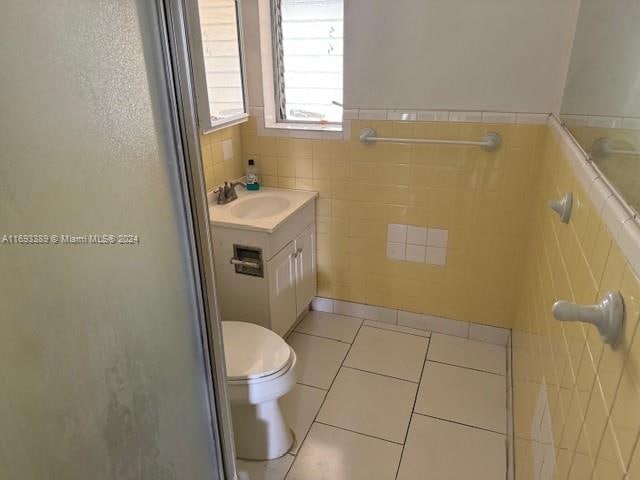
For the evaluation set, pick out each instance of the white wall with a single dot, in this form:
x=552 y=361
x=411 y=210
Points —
x=502 y=55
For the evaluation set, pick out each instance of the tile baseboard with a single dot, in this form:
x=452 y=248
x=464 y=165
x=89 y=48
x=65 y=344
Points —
x=419 y=321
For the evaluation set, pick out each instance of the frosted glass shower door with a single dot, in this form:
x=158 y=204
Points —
x=102 y=360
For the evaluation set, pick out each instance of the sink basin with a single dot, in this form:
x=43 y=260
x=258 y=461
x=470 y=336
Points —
x=261 y=211
x=260 y=207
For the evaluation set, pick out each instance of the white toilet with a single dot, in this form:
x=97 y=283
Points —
x=261 y=368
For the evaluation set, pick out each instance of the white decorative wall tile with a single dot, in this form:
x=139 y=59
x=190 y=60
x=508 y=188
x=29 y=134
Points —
x=416 y=253
x=614 y=215
x=629 y=240
x=605 y=122
x=320 y=304
x=372 y=114
x=599 y=193
x=498 y=117
x=575 y=120
x=349 y=309
x=380 y=314
x=436 y=256
x=413 y=320
x=396 y=233
x=396 y=251
x=346 y=130
x=336 y=135
x=488 y=334
x=227 y=149
x=433 y=115
x=585 y=174
x=416 y=235
x=406 y=115
x=433 y=324
x=465 y=117
x=437 y=237
x=532 y=118
x=350 y=114
x=631 y=123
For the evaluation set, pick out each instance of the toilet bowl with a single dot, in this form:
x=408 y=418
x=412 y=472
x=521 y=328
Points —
x=261 y=368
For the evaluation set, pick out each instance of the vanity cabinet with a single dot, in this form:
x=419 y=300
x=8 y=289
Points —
x=291 y=281
x=277 y=293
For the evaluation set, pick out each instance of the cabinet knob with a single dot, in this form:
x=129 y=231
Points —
x=297 y=252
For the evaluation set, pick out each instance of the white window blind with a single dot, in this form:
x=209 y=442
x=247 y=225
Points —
x=221 y=50
x=310 y=68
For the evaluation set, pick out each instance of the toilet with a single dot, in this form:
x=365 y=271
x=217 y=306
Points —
x=261 y=368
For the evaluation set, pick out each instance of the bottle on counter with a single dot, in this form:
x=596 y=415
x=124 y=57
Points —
x=252 y=175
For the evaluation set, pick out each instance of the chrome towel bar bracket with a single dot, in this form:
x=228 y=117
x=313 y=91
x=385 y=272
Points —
x=490 y=141
x=607 y=315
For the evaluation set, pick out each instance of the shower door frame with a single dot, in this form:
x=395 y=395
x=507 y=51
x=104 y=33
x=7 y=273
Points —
x=172 y=20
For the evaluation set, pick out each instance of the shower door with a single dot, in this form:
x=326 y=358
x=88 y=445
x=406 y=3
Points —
x=107 y=337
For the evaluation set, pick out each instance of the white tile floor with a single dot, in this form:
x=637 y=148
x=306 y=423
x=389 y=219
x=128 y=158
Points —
x=378 y=401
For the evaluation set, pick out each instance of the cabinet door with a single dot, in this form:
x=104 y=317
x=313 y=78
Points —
x=306 y=272
x=281 y=273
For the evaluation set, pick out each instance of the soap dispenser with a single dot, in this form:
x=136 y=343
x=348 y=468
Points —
x=252 y=175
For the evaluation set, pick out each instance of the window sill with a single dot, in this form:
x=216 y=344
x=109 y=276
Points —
x=313 y=131
x=225 y=123
x=307 y=127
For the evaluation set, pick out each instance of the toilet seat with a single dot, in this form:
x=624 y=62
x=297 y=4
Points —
x=253 y=353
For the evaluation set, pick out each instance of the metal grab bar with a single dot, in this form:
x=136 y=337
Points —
x=490 y=141
x=603 y=147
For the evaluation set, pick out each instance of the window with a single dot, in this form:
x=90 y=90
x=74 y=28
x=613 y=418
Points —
x=221 y=73
x=307 y=53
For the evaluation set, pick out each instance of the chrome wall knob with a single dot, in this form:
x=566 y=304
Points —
x=607 y=315
x=563 y=207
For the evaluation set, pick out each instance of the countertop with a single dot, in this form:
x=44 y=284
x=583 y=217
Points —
x=221 y=215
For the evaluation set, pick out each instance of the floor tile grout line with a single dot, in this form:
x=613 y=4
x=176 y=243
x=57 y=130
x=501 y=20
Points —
x=358 y=433
x=460 y=423
x=398 y=331
x=466 y=368
x=509 y=436
x=466 y=337
x=323 y=400
x=413 y=407
x=312 y=386
x=321 y=336
x=381 y=374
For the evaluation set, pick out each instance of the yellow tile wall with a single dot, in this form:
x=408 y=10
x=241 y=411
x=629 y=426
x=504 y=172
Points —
x=216 y=169
x=591 y=391
x=482 y=198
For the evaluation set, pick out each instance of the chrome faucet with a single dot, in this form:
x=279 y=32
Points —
x=227 y=193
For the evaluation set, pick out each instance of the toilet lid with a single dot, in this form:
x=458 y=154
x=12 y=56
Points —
x=252 y=351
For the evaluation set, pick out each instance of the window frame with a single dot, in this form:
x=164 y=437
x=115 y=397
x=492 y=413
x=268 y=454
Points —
x=205 y=120
x=274 y=91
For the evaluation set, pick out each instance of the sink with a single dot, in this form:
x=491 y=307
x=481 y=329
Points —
x=260 y=207
x=261 y=211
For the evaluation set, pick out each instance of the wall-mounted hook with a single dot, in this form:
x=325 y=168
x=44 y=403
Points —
x=563 y=207
x=607 y=315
